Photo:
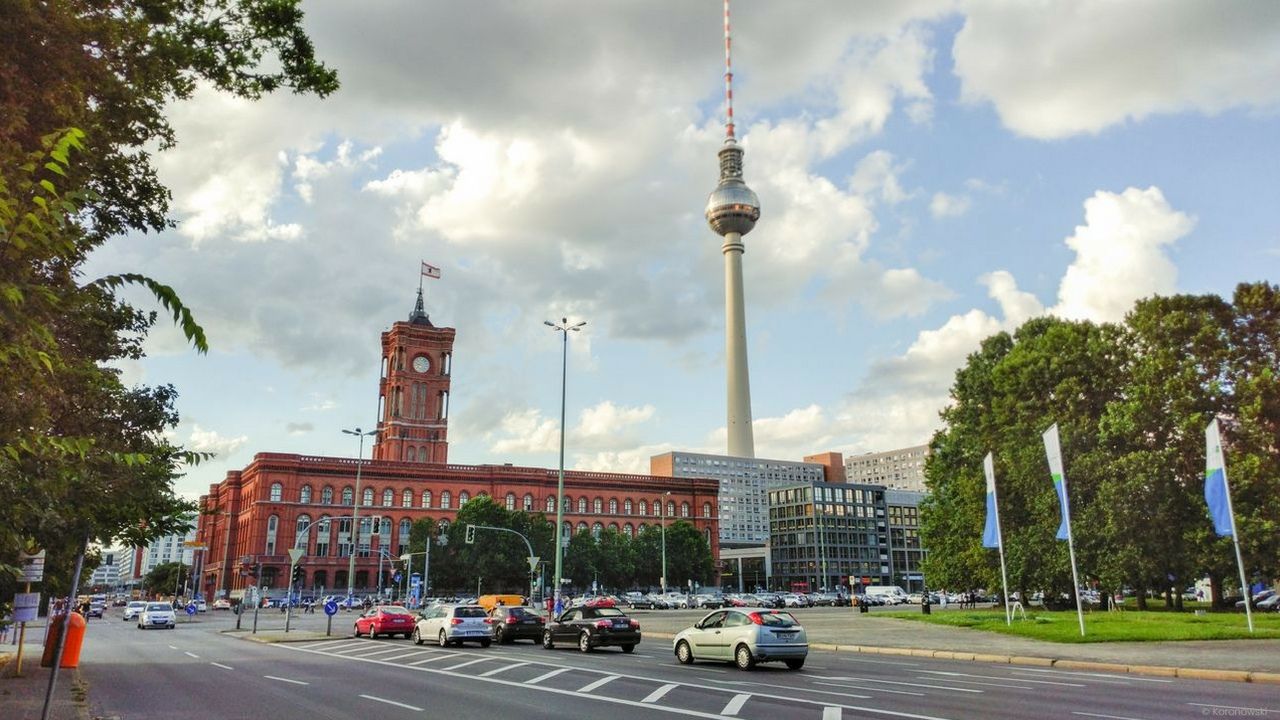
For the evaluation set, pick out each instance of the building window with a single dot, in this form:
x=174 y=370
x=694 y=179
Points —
x=684 y=509
x=463 y=498
x=445 y=499
x=388 y=497
x=551 y=503
x=304 y=495
x=671 y=508
x=344 y=537
x=613 y=506
x=596 y=529
x=385 y=531
x=277 y=491
x=406 y=498
x=302 y=526
x=527 y=504
x=426 y=498
x=273 y=522
x=644 y=507
x=511 y=501
x=402 y=540
x=613 y=527
x=364 y=542
x=326 y=496
x=568 y=503
x=628 y=530
x=706 y=509
x=597 y=506
x=626 y=506
x=443 y=525
x=366 y=497
x=322 y=537
x=582 y=527
x=582 y=505
x=348 y=496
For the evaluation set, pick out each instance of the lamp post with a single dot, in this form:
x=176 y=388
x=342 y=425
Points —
x=355 y=510
x=663 y=513
x=564 y=328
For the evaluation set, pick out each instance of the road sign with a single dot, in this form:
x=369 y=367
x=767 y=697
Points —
x=32 y=566
x=295 y=553
x=191 y=608
x=195 y=544
x=533 y=562
x=25 y=607
x=414 y=581
x=331 y=608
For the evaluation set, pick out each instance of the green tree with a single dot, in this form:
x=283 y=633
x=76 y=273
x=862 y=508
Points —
x=165 y=579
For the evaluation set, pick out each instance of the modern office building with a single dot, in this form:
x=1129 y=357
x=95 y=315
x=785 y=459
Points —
x=826 y=535
x=107 y=575
x=168 y=549
x=901 y=469
x=905 y=551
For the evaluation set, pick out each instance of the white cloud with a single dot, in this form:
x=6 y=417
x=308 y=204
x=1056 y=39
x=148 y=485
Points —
x=210 y=441
x=604 y=427
x=1062 y=67
x=944 y=205
x=877 y=173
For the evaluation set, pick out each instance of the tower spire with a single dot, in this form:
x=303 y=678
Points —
x=728 y=78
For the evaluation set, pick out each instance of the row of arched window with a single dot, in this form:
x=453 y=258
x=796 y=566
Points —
x=583 y=504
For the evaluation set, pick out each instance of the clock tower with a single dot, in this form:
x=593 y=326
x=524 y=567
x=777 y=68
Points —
x=413 y=391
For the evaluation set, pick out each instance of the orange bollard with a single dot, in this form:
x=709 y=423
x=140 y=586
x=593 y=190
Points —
x=75 y=638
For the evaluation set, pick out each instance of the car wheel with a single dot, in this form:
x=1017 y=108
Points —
x=485 y=642
x=628 y=648
x=683 y=653
x=140 y=626
x=795 y=664
x=584 y=642
x=743 y=659
x=417 y=637
x=546 y=640
x=500 y=635
x=173 y=627
x=442 y=640
x=355 y=631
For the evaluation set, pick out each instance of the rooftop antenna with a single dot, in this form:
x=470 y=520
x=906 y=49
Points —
x=728 y=78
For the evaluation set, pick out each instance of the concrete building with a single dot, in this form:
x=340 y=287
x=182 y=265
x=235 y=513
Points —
x=107 y=575
x=901 y=469
x=826 y=535
x=170 y=548
x=905 y=551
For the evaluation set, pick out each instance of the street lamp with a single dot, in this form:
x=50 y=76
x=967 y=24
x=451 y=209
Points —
x=355 y=510
x=663 y=513
x=564 y=328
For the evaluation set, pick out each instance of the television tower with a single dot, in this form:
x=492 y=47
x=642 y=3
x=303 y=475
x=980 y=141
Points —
x=732 y=210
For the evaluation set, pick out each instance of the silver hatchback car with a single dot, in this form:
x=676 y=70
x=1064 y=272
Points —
x=744 y=636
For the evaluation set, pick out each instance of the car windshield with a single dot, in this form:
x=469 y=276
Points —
x=608 y=612
x=136 y=604
x=521 y=612
x=158 y=607
x=469 y=612
x=777 y=619
x=395 y=611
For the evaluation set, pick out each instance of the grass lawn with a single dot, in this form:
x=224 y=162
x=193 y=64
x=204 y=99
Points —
x=1128 y=625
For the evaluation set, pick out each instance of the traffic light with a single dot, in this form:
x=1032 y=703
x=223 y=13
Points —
x=298 y=574
x=471 y=534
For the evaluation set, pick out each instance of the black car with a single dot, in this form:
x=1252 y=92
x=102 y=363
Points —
x=516 y=623
x=592 y=627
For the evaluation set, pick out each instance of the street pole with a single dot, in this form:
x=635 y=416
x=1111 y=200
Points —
x=564 y=328
x=226 y=558
x=66 y=626
x=663 y=514
x=355 y=511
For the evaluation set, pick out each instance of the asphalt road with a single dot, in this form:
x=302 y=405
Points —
x=197 y=671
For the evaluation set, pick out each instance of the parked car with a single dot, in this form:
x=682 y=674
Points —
x=1257 y=598
x=591 y=628
x=389 y=620
x=641 y=601
x=516 y=623
x=202 y=606
x=222 y=604
x=745 y=636
x=157 y=615
x=133 y=609
x=453 y=625
x=96 y=609
x=1269 y=603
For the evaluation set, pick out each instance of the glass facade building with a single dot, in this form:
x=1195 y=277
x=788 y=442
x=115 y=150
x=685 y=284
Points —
x=827 y=535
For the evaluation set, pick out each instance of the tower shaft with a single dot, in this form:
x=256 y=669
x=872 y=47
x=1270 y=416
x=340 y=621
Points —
x=741 y=439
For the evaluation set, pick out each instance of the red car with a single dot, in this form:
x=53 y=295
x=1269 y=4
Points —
x=385 y=620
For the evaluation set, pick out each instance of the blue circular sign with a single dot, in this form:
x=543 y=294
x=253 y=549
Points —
x=191 y=608
x=331 y=608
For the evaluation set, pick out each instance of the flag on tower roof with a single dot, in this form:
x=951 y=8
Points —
x=431 y=271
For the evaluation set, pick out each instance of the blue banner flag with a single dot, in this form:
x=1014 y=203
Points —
x=1053 y=450
x=1215 y=482
x=991 y=533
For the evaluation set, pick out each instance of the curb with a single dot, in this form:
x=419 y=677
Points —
x=1064 y=663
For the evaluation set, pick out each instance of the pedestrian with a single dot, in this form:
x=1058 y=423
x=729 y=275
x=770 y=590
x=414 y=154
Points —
x=942 y=598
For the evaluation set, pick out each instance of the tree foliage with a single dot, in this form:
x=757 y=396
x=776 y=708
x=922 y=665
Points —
x=1131 y=401
x=165 y=578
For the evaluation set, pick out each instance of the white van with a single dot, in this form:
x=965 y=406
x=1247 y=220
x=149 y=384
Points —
x=892 y=594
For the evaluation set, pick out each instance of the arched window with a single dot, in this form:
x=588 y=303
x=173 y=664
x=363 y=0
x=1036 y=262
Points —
x=613 y=527
x=684 y=509
x=273 y=523
x=511 y=501
x=463 y=498
x=388 y=497
x=613 y=506
x=366 y=497
x=707 y=534
x=402 y=539
x=385 y=531
x=596 y=529
x=445 y=498
x=326 y=496
x=322 y=536
x=568 y=503
x=582 y=504
x=277 y=491
x=551 y=503
x=582 y=526
x=303 y=525
x=597 y=506
x=641 y=528
x=406 y=498
x=671 y=508
x=626 y=506
x=628 y=530
x=348 y=496
x=568 y=528
x=426 y=498
x=644 y=507
x=304 y=495
x=706 y=509
x=527 y=503
x=443 y=525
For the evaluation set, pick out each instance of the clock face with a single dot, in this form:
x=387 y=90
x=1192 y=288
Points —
x=421 y=364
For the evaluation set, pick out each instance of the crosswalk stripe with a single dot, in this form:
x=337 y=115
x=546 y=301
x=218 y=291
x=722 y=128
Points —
x=544 y=676
x=656 y=695
x=464 y=664
x=734 y=705
x=832 y=713
x=405 y=655
x=441 y=656
x=593 y=685
x=504 y=668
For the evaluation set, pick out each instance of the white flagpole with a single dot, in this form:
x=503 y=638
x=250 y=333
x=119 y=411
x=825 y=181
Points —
x=1054 y=450
x=1235 y=534
x=988 y=464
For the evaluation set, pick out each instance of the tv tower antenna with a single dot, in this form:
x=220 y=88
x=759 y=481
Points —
x=732 y=211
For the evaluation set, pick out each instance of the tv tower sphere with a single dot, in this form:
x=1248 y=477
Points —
x=732 y=207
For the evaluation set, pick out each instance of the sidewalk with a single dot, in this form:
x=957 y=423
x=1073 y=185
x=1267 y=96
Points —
x=22 y=698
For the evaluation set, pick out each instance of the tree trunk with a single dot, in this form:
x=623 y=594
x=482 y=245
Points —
x=1142 y=598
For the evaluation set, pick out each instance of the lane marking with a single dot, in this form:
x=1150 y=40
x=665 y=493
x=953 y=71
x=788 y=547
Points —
x=469 y=662
x=1234 y=707
x=504 y=668
x=224 y=667
x=319 y=645
x=352 y=649
x=986 y=684
x=391 y=702
x=832 y=713
x=295 y=682
x=733 y=706
x=1097 y=680
x=173 y=647
x=401 y=657
x=544 y=676
x=1130 y=678
x=597 y=683
x=852 y=687
x=190 y=654
x=441 y=656
x=1000 y=677
x=908 y=684
x=1108 y=717
x=656 y=695
x=381 y=652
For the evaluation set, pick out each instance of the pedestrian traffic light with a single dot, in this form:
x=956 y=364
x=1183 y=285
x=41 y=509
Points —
x=471 y=534
x=298 y=574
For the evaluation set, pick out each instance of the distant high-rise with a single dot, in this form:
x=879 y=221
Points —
x=732 y=211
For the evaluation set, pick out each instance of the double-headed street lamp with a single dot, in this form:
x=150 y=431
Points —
x=355 y=510
x=564 y=328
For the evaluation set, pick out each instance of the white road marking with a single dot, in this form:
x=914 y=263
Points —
x=190 y=654
x=832 y=713
x=352 y=649
x=504 y=668
x=1262 y=711
x=656 y=695
x=173 y=647
x=1108 y=717
x=909 y=684
x=1100 y=680
x=441 y=656
x=1000 y=677
x=980 y=682
x=1098 y=675
x=853 y=687
x=317 y=646
x=597 y=683
x=391 y=702
x=734 y=705
x=405 y=655
x=224 y=667
x=540 y=678
x=295 y=682
x=381 y=652
x=469 y=662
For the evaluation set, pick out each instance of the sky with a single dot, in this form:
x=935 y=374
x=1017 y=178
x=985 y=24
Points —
x=930 y=172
